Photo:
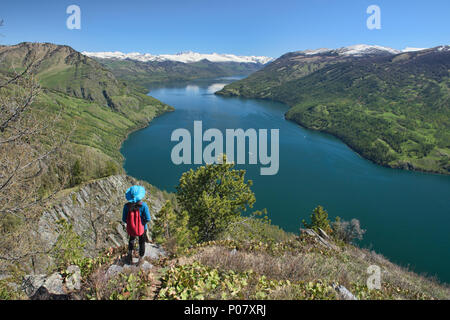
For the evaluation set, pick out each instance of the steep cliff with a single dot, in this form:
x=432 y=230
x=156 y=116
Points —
x=95 y=212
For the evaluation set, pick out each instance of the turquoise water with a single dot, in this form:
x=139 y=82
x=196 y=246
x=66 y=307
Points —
x=406 y=214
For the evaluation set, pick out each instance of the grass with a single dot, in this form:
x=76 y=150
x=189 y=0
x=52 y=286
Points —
x=300 y=262
x=98 y=130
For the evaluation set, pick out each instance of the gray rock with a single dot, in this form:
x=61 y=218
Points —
x=53 y=284
x=153 y=251
x=113 y=239
x=73 y=280
x=309 y=232
x=31 y=283
x=129 y=268
x=43 y=294
x=114 y=270
x=321 y=240
x=4 y=276
x=323 y=234
x=344 y=293
x=146 y=266
x=121 y=231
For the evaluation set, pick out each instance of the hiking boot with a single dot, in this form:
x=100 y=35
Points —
x=140 y=261
x=129 y=257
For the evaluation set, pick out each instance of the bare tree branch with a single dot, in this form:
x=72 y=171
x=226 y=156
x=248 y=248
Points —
x=30 y=148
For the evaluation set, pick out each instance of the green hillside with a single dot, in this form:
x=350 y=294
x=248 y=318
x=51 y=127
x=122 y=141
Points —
x=100 y=109
x=393 y=110
x=63 y=69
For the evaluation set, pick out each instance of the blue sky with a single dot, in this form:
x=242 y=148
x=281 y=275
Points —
x=244 y=27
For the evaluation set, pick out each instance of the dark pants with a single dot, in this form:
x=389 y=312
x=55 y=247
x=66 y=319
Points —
x=142 y=240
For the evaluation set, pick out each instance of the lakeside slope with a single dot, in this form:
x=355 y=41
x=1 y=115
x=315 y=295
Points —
x=251 y=260
x=98 y=109
x=391 y=108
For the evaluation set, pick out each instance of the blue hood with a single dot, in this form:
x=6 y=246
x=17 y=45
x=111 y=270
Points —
x=135 y=193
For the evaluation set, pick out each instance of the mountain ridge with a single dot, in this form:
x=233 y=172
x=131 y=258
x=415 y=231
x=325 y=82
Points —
x=61 y=68
x=365 y=49
x=185 y=57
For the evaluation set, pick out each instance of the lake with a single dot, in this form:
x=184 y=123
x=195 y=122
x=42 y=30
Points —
x=406 y=214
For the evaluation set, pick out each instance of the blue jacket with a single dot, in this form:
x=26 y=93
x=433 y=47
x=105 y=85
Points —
x=145 y=214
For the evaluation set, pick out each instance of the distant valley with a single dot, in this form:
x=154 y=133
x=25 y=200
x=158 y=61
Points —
x=145 y=69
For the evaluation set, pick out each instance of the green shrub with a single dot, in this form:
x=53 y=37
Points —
x=128 y=286
x=256 y=227
x=68 y=248
x=170 y=228
x=319 y=219
x=214 y=195
x=7 y=292
x=198 y=282
x=110 y=168
x=347 y=231
x=76 y=174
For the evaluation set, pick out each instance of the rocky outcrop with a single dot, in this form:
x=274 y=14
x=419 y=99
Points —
x=152 y=252
x=320 y=237
x=343 y=292
x=73 y=279
x=95 y=212
x=57 y=286
x=53 y=287
x=67 y=285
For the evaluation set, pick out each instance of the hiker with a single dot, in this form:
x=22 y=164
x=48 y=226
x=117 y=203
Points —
x=136 y=215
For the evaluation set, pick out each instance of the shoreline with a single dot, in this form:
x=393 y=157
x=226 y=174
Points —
x=408 y=164
x=140 y=127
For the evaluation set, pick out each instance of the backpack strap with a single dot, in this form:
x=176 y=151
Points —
x=134 y=204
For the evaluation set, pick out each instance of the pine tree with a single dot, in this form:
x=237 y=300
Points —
x=170 y=228
x=76 y=174
x=214 y=196
x=319 y=219
x=160 y=228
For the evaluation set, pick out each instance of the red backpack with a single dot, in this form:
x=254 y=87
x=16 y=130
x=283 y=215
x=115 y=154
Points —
x=135 y=227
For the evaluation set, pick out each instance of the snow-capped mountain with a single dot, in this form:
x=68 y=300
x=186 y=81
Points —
x=443 y=48
x=185 y=57
x=359 y=50
x=410 y=49
x=363 y=49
